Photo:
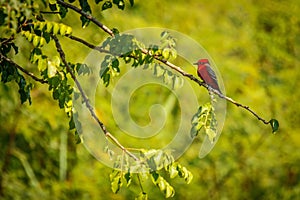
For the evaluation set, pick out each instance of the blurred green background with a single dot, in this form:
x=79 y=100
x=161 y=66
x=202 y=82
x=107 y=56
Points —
x=256 y=46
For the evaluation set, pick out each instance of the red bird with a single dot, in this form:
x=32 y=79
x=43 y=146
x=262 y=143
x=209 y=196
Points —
x=206 y=73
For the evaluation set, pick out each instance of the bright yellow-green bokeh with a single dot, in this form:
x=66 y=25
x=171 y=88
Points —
x=256 y=47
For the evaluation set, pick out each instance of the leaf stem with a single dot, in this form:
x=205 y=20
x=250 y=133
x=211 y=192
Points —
x=140 y=183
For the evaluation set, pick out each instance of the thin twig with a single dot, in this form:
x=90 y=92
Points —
x=50 y=12
x=22 y=69
x=88 y=16
x=7 y=40
x=86 y=101
x=91 y=46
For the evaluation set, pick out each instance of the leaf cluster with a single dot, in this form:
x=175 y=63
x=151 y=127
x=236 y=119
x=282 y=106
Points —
x=152 y=165
x=204 y=118
x=134 y=52
x=9 y=71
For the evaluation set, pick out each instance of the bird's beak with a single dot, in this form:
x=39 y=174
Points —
x=195 y=63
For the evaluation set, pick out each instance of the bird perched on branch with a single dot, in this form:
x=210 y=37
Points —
x=206 y=73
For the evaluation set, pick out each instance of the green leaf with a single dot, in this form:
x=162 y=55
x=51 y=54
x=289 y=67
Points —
x=205 y=117
x=47 y=37
x=166 y=53
x=54 y=82
x=82 y=69
x=274 y=124
x=158 y=70
x=177 y=82
x=42 y=63
x=173 y=171
x=184 y=173
x=15 y=48
x=195 y=131
x=51 y=69
x=105 y=70
x=150 y=153
x=98 y=1
x=142 y=196
x=168 y=78
x=53 y=7
x=49 y=27
x=35 y=54
x=61 y=100
x=170 y=192
x=55 y=94
x=71 y=123
x=84 y=21
x=116 y=184
x=106 y=5
x=154 y=177
x=115 y=179
x=55 y=28
x=161 y=183
x=63 y=29
x=2 y=16
x=189 y=178
x=62 y=11
x=69 y=30
x=127 y=59
x=77 y=137
x=24 y=89
x=211 y=134
x=128 y=179
x=173 y=54
x=159 y=160
x=106 y=79
x=85 y=6
x=131 y=2
x=138 y=58
x=115 y=65
x=29 y=36
x=36 y=41
x=120 y=4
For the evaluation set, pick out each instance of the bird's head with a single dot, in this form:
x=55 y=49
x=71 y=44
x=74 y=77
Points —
x=202 y=62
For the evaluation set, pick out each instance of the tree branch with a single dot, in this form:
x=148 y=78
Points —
x=182 y=72
x=2 y=57
x=86 y=101
x=91 y=46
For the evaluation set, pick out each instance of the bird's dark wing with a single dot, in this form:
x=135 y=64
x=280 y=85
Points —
x=211 y=73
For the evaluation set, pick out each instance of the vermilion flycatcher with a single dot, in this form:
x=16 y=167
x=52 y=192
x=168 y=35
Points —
x=206 y=73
